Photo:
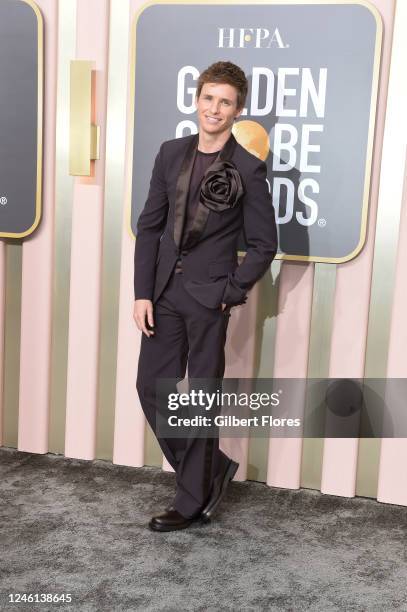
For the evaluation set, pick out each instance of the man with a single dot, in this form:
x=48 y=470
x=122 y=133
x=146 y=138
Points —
x=205 y=188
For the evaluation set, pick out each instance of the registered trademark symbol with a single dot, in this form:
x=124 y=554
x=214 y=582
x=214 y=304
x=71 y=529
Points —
x=322 y=222
x=3 y=200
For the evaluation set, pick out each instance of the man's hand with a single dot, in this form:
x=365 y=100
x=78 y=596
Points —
x=143 y=309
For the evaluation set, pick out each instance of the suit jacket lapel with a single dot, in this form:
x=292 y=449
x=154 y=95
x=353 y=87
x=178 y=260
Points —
x=202 y=212
x=181 y=191
x=228 y=149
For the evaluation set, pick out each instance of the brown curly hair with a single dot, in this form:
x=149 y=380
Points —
x=225 y=72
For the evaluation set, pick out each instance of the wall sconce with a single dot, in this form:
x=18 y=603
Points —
x=83 y=135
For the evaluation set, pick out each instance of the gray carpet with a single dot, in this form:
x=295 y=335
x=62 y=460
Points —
x=80 y=527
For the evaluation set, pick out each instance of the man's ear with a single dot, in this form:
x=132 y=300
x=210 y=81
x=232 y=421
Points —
x=239 y=112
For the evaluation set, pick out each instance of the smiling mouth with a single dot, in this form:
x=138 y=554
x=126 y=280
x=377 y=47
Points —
x=212 y=119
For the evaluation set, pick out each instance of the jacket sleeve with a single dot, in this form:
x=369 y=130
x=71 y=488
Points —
x=260 y=232
x=150 y=226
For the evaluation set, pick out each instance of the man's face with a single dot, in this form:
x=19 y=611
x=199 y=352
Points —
x=217 y=107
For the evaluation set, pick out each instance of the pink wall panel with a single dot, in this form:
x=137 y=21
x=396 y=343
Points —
x=392 y=485
x=352 y=297
x=37 y=269
x=130 y=422
x=291 y=361
x=86 y=250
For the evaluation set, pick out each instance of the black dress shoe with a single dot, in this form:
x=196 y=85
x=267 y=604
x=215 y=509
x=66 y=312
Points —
x=218 y=491
x=170 y=520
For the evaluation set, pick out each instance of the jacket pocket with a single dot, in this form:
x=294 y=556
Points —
x=221 y=268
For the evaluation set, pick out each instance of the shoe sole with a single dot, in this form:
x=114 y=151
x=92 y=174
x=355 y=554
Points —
x=230 y=472
x=167 y=527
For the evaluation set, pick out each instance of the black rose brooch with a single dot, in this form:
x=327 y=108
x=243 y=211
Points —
x=221 y=187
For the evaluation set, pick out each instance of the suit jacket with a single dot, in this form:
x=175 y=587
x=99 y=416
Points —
x=211 y=273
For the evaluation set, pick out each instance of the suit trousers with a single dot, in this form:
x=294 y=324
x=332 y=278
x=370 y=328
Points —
x=186 y=333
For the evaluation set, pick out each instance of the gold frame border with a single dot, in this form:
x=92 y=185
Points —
x=40 y=95
x=372 y=118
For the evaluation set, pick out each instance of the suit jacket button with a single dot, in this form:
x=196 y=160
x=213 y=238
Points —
x=184 y=252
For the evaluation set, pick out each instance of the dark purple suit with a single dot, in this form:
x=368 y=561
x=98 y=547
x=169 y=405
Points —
x=190 y=326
